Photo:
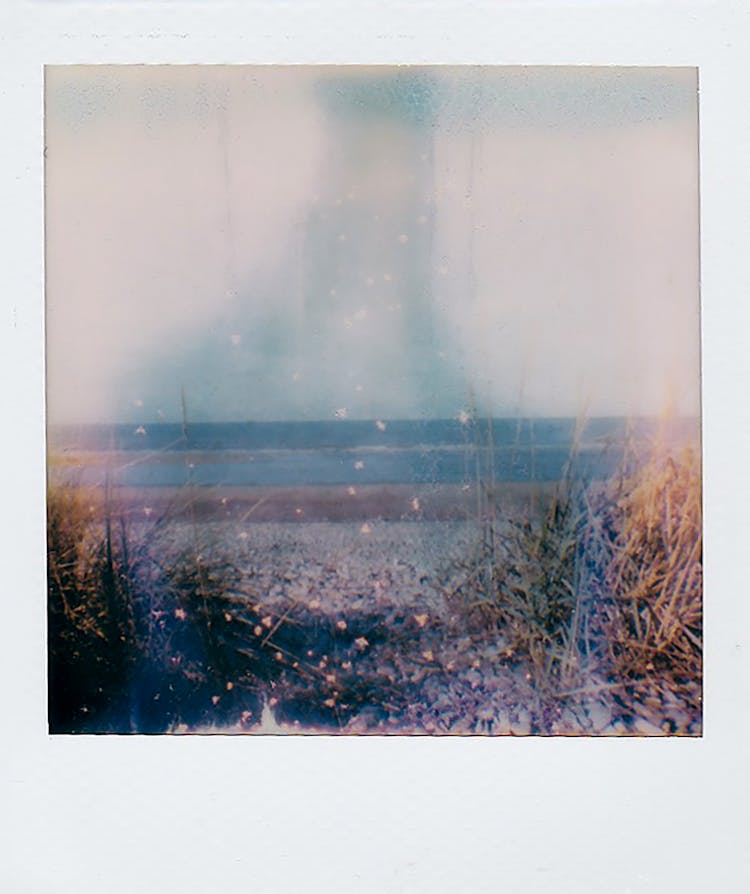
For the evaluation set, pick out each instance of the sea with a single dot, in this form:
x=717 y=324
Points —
x=346 y=452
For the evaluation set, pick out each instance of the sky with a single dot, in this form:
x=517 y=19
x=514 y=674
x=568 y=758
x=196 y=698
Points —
x=351 y=242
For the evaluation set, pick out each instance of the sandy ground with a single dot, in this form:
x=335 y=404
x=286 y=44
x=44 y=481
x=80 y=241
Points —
x=378 y=592
x=335 y=503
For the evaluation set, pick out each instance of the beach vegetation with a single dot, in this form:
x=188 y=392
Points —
x=599 y=585
x=574 y=609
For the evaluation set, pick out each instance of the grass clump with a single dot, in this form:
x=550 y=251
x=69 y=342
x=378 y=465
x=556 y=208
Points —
x=140 y=638
x=91 y=643
x=533 y=592
x=651 y=585
x=600 y=589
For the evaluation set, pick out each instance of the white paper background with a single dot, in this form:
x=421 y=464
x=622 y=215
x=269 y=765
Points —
x=212 y=814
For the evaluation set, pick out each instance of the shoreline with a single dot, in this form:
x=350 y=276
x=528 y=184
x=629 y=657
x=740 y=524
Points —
x=333 y=503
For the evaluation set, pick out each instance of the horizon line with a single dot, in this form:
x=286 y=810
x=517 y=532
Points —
x=375 y=419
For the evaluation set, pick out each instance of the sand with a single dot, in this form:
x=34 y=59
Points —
x=389 y=502
x=358 y=588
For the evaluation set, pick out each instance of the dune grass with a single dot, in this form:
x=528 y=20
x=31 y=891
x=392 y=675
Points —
x=91 y=642
x=647 y=530
x=136 y=632
x=595 y=588
x=601 y=588
x=148 y=636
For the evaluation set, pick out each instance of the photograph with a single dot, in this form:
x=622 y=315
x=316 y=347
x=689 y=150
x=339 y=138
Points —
x=373 y=400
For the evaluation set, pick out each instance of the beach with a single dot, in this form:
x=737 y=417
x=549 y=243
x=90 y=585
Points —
x=336 y=602
x=357 y=616
x=297 y=503
x=362 y=629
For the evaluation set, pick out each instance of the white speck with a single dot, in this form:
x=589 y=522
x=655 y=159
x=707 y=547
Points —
x=403 y=238
x=140 y=430
x=348 y=323
x=242 y=535
x=358 y=388
x=223 y=501
x=341 y=413
x=365 y=529
x=463 y=417
x=298 y=511
x=359 y=465
x=415 y=504
x=147 y=510
x=235 y=339
x=380 y=425
x=352 y=491
x=361 y=643
x=137 y=402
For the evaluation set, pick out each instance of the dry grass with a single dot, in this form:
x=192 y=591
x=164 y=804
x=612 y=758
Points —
x=596 y=587
x=651 y=587
x=91 y=644
x=603 y=583
x=148 y=636
x=134 y=631
x=534 y=585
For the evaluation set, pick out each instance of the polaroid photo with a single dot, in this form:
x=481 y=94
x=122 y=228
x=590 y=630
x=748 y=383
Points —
x=373 y=400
